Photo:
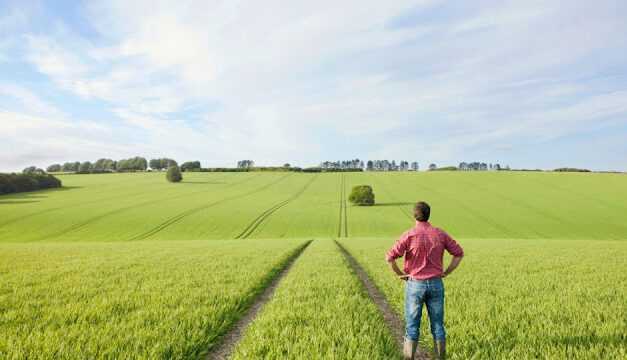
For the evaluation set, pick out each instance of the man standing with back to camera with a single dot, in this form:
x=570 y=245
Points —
x=423 y=248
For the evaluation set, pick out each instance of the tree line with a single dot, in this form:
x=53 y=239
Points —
x=480 y=166
x=104 y=165
x=139 y=163
x=34 y=180
x=370 y=165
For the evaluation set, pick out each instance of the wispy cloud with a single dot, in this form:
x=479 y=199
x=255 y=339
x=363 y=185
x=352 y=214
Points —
x=301 y=82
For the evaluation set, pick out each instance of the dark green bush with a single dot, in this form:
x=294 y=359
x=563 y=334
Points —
x=174 y=174
x=13 y=183
x=362 y=195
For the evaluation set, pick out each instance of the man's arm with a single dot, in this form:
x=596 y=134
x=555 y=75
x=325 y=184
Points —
x=401 y=275
x=453 y=265
x=454 y=249
x=395 y=252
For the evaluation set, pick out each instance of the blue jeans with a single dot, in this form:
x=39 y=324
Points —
x=431 y=293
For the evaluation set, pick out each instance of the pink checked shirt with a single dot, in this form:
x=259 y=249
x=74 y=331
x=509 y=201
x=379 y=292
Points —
x=423 y=248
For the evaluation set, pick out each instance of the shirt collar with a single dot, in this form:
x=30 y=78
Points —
x=422 y=224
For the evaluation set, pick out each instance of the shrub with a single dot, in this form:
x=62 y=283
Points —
x=362 y=195
x=174 y=174
x=13 y=183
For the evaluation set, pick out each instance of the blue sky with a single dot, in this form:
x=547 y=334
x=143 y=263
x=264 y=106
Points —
x=532 y=84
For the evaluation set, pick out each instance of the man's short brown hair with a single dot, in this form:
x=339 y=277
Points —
x=422 y=210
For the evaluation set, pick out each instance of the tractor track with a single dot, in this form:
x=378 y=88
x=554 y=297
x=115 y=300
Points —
x=93 y=201
x=250 y=228
x=342 y=229
x=186 y=213
x=224 y=348
x=604 y=203
x=68 y=207
x=91 y=220
x=483 y=219
x=391 y=195
x=390 y=317
x=521 y=204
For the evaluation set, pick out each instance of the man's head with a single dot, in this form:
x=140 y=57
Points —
x=422 y=210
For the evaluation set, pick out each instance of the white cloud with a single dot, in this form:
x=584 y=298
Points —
x=266 y=79
x=29 y=100
x=35 y=140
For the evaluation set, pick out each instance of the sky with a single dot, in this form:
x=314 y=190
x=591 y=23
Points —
x=530 y=84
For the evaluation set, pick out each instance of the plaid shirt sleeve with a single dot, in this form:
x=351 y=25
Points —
x=398 y=249
x=452 y=246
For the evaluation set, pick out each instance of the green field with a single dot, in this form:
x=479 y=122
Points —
x=129 y=265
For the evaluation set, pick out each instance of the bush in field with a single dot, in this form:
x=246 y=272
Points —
x=362 y=195
x=174 y=174
x=13 y=183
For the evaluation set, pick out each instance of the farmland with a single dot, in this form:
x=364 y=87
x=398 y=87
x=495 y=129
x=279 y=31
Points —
x=157 y=300
x=119 y=264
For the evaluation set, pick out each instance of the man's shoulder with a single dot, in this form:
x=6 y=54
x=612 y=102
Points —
x=440 y=232
x=406 y=234
x=434 y=231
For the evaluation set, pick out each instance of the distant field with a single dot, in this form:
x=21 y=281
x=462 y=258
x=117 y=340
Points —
x=122 y=207
x=128 y=265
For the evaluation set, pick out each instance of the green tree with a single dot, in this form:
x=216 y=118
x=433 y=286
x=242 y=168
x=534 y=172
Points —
x=54 y=168
x=174 y=174
x=362 y=195
x=103 y=165
x=70 y=166
x=85 y=167
x=190 y=165
x=33 y=170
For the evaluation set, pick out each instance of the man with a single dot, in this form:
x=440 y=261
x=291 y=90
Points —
x=423 y=248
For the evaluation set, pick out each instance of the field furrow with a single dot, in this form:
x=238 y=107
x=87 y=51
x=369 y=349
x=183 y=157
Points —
x=108 y=189
x=342 y=227
x=392 y=319
x=250 y=228
x=319 y=310
x=134 y=201
x=227 y=343
x=182 y=215
x=312 y=214
x=483 y=223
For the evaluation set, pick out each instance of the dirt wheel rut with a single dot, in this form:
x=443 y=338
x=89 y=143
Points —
x=225 y=347
x=250 y=229
x=392 y=320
